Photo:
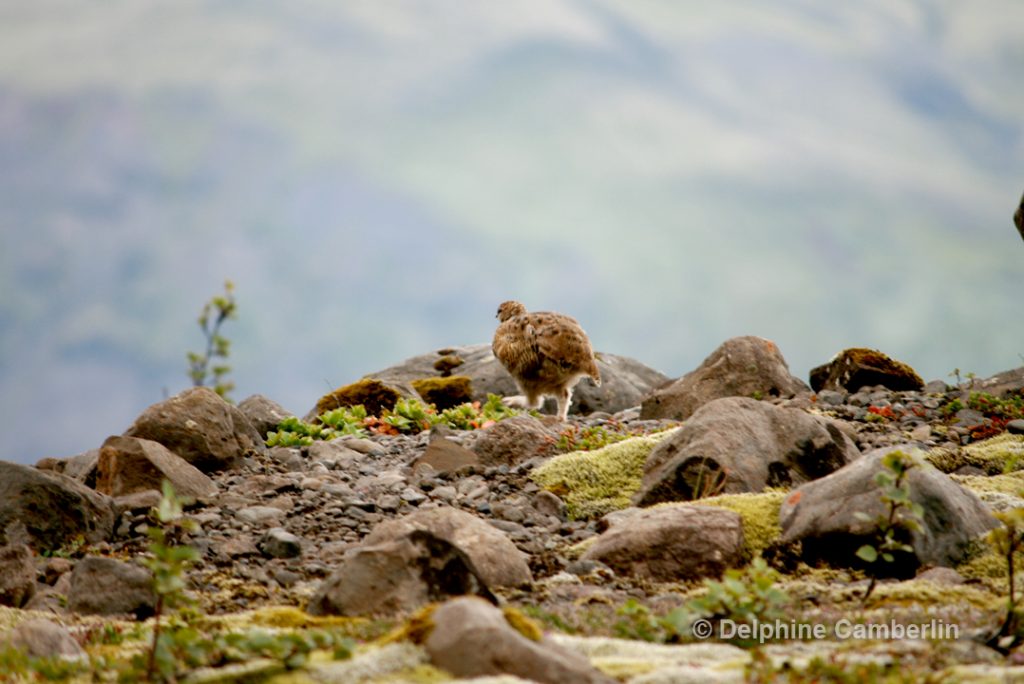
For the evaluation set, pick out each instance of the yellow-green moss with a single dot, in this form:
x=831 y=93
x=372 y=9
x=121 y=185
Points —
x=445 y=393
x=927 y=593
x=373 y=394
x=1002 y=454
x=593 y=483
x=518 y=621
x=760 y=514
x=447 y=363
x=1011 y=483
x=416 y=628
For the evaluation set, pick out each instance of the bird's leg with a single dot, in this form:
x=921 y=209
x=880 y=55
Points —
x=523 y=402
x=564 y=399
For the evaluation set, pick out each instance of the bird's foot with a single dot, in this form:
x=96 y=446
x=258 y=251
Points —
x=515 y=401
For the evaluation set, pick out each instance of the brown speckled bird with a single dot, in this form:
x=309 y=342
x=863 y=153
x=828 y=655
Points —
x=547 y=354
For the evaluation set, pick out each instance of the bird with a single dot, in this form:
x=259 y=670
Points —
x=546 y=353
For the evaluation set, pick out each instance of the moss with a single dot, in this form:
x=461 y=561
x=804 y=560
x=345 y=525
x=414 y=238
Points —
x=1002 y=454
x=447 y=363
x=760 y=514
x=372 y=394
x=927 y=593
x=597 y=482
x=522 y=624
x=859 y=367
x=1011 y=483
x=416 y=628
x=444 y=393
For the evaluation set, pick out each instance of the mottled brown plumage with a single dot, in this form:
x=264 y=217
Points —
x=547 y=354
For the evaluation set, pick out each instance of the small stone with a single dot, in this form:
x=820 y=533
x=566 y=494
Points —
x=389 y=503
x=1015 y=427
x=921 y=433
x=280 y=543
x=445 y=493
x=548 y=503
x=413 y=496
x=260 y=515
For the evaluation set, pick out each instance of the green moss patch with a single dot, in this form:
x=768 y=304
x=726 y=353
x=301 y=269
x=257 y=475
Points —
x=595 y=483
x=760 y=514
x=445 y=393
x=1002 y=454
x=372 y=394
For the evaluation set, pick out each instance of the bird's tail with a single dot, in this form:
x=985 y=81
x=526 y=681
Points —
x=594 y=373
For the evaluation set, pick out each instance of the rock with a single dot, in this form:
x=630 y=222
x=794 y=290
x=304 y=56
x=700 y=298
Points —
x=496 y=559
x=624 y=381
x=852 y=369
x=398 y=576
x=41 y=638
x=278 y=542
x=260 y=515
x=54 y=508
x=672 y=543
x=201 y=427
x=820 y=515
x=264 y=414
x=17 y=575
x=1015 y=427
x=1007 y=383
x=445 y=456
x=513 y=440
x=106 y=586
x=83 y=467
x=470 y=638
x=1018 y=217
x=737 y=445
x=129 y=464
x=445 y=392
x=740 y=367
x=373 y=394
x=548 y=503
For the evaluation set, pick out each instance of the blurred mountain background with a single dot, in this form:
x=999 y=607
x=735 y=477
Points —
x=376 y=177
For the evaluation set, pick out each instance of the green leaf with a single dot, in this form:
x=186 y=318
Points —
x=867 y=553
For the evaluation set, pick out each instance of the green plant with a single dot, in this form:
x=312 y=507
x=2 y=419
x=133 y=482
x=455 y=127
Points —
x=588 y=438
x=637 y=622
x=1008 y=540
x=744 y=596
x=18 y=666
x=900 y=519
x=202 y=367
x=73 y=549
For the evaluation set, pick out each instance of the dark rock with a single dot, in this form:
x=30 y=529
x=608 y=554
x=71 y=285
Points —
x=264 y=414
x=513 y=441
x=374 y=394
x=278 y=542
x=129 y=464
x=740 y=367
x=1018 y=217
x=820 y=515
x=672 y=543
x=398 y=576
x=445 y=392
x=202 y=428
x=106 y=586
x=493 y=556
x=624 y=381
x=1015 y=427
x=54 y=508
x=738 y=445
x=83 y=467
x=445 y=456
x=852 y=369
x=41 y=638
x=471 y=638
x=17 y=575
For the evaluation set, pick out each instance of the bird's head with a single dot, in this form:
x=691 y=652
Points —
x=509 y=309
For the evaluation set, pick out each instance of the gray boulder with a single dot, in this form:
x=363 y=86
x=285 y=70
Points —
x=739 y=445
x=128 y=465
x=41 y=638
x=671 y=543
x=496 y=559
x=821 y=515
x=471 y=638
x=740 y=367
x=264 y=414
x=513 y=440
x=624 y=381
x=17 y=575
x=201 y=427
x=398 y=576
x=53 y=508
x=106 y=586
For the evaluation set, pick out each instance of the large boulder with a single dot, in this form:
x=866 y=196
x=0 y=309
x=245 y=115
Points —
x=201 y=427
x=264 y=414
x=737 y=445
x=398 y=576
x=53 y=508
x=513 y=440
x=107 y=586
x=40 y=638
x=740 y=367
x=624 y=381
x=671 y=543
x=17 y=575
x=822 y=515
x=852 y=369
x=470 y=638
x=496 y=559
x=129 y=464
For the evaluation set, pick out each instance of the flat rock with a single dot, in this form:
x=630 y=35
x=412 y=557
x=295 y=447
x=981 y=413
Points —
x=494 y=557
x=471 y=638
x=740 y=367
x=129 y=464
x=106 y=586
x=54 y=508
x=201 y=427
x=820 y=515
x=445 y=456
x=671 y=543
x=736 y=445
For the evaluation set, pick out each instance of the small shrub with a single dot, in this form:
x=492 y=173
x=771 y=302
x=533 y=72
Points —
x=203 y=367
x=1008 y=540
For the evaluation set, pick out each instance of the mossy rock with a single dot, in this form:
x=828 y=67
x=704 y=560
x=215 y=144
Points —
x=447 y=363
x=995 y=456
x=373 y=394
x=444 y=393
x=854 y=368
x=759 y=513
x=594 y=483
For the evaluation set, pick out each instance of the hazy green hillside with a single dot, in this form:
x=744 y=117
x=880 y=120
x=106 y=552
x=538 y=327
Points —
x=376 y=177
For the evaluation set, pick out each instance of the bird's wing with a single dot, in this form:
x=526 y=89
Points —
x=515 y=345
x=561 y=339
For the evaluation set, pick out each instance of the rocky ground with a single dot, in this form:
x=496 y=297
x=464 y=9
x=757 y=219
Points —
x=510 y=548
